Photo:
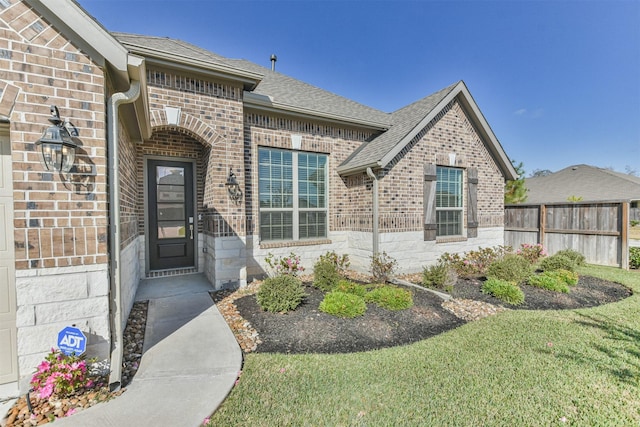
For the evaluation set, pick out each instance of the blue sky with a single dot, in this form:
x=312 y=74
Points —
x=558 y=81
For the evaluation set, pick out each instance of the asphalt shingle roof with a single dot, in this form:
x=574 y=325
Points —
x=589 y=182
x=291 y=94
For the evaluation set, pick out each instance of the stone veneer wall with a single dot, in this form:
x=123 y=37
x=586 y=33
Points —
x=60 y=227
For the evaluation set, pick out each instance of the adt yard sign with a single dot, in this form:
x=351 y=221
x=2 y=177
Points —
x=71 y=340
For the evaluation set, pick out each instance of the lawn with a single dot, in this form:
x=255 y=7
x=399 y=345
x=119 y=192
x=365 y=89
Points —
x=525 y=368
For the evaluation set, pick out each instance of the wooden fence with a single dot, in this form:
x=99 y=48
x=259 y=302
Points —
x=598 y=230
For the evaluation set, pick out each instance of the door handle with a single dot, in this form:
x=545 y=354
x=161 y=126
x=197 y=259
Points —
x=191 y=230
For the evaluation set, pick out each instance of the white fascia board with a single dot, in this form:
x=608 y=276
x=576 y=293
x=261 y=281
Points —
x=267 y=103
x=77 y=25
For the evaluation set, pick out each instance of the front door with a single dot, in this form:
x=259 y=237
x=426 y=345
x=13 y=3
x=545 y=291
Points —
x=171 y=214
x=8 y=347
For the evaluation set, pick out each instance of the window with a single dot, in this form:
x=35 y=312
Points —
x=449 y=214
x=293 y=195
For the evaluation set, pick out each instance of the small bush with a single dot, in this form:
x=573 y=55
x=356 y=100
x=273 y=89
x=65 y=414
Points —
x=325 y=275
x=280 y=294
x=532 y=252
x=511 y=268
x=342 y=304
x=569 y=277
x=382 y=266
x=390 y=297
x=505 y=291
x=474 y=264
x=289 y=264
x=349 y=287
x=634 y=257
x=439 y=276
x=558 y=262
x=549 y=280
x=341 y=262
x=576 y=256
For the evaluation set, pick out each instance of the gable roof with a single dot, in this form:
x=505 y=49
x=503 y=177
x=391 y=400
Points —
x=589 y=182
x=274 y=91
x=407 y=122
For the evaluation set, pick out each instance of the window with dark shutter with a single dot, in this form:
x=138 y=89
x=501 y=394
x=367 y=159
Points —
x=429 y=202
x=472 y=204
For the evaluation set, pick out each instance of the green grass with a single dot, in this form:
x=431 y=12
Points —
x=524 y=368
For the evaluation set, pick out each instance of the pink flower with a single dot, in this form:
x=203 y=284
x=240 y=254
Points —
x=206 y=421
x=70 y=412
x=563 y=419
x=549 y=344
x=282 y=370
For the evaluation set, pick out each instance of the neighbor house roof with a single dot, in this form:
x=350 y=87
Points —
x=582 y=181
x=278 y=92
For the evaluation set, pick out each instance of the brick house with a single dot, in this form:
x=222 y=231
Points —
x=164 y=127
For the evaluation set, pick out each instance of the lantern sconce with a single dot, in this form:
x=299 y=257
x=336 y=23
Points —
x=58 y=144
x=233 y=188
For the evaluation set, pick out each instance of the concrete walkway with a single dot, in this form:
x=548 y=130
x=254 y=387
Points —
x=190 y=361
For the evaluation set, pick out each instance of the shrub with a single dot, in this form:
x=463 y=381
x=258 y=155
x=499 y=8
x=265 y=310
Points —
x=342 y=304
x=289 y=264
x=549 y=280
x=532 y=252
x=558 y=262
x=511 y=268
x=280 y=294
x=634 y=257
x=349 y=287
x=390 y=297
x=382 y=266
x=474 y=264
x=341 y=262
x=576 y=256
x=505 y=291
x=325 y=275
x=569 y=277
x=439 y=276
x=60 y=375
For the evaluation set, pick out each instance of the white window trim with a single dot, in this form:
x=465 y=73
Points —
x=295 y=210
x=461 y=208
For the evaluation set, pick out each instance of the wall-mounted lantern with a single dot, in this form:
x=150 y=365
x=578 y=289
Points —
x=58 y=144
x=233 y=188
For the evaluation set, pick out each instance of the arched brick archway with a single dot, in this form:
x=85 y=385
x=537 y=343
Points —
x=191 y=125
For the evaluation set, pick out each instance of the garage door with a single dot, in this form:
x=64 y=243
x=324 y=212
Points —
x=8 y=357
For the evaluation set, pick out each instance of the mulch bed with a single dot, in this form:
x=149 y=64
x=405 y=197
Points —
x=308 y=330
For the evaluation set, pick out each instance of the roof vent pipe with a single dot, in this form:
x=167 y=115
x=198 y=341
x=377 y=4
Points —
x=274 y=58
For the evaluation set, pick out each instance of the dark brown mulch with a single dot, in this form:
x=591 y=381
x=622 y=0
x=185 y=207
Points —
x=589 y=292
x=308 y=330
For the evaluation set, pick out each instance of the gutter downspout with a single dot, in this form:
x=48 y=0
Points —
x=115 y=377
x=375 y=211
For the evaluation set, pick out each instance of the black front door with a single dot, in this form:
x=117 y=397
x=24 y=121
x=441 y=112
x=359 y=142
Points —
x=171 y=219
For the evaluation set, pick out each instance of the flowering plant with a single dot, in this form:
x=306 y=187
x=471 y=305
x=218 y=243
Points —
x=290 y=264
x=60 y=375
x=532 y=253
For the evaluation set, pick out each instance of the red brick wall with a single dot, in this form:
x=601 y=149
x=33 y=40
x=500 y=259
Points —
x=56 y=223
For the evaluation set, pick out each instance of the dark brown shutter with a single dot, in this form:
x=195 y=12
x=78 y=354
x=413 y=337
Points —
x=429 y=202
x=472 y=204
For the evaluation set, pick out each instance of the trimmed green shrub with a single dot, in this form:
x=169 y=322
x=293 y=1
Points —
x=342 y=304
x=439 y=276
x=390 y=297
x=382 y=266
x=549 y=280
x=569 y=277
x=558 y=262
x=349 y=287
x=511 y=268
x=505 y=291
x=634 y=257
x=325 y=275
x=280 y=294
x=576 y=256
